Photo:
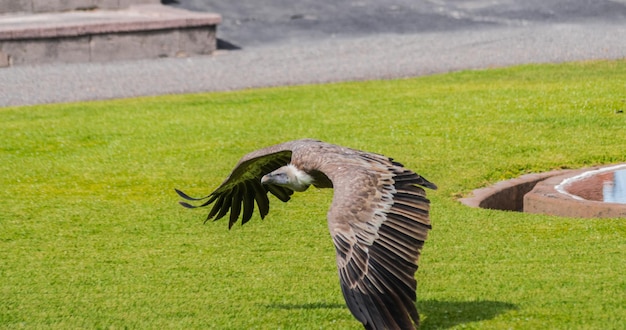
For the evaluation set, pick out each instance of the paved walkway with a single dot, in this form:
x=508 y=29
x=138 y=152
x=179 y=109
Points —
x=302 y=45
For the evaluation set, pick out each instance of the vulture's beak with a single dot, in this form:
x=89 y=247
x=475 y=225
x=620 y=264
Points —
x=277 y=177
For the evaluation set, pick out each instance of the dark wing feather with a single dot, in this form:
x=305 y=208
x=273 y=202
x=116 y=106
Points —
x=248 y=203
x=282 y=193
x=235 y=209
x=243 y=187
x=379 y=221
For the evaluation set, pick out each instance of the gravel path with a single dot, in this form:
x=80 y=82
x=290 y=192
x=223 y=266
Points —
x=315 y=44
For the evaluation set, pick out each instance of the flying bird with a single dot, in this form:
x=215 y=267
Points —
x=378 y=219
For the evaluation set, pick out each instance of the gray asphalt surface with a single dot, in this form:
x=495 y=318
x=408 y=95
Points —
x=277 y=43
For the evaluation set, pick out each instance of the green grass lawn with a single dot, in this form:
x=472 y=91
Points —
x=91 y=235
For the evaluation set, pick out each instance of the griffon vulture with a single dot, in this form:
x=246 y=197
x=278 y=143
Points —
x=378 y=218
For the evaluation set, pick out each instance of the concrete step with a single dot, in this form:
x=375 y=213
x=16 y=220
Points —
x=44 y=6
x=137 y=32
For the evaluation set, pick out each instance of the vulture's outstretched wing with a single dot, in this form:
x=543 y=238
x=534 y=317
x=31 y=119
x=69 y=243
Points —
x=243 y=186
x=379 y=222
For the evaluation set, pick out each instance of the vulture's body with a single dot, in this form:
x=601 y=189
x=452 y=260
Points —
x=378 y=218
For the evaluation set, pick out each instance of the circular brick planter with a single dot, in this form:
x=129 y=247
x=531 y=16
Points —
x=568 y=193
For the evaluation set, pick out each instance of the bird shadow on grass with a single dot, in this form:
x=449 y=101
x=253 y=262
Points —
x=437 y=314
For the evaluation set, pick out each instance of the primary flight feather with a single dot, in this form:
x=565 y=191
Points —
x=378 y=219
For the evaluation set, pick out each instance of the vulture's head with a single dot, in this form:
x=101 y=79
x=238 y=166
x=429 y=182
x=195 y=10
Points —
x=290 y=177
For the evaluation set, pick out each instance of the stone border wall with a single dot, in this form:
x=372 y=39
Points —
x=545 y=198
x=537 y=193
x=507 y=195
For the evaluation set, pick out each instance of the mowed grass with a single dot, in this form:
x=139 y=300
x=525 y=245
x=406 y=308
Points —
x=91 y=235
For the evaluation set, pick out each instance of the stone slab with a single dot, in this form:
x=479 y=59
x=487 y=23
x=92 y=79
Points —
x=143 y=31
x=43 y=6
x=43 y=51
x=77 y=23
x=15 y=6
x=197 y=41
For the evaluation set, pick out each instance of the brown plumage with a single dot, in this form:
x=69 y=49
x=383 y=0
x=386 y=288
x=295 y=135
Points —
x=378 y=219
